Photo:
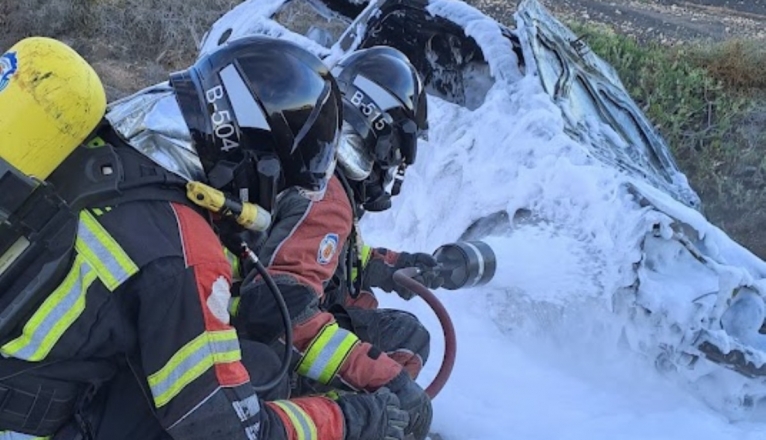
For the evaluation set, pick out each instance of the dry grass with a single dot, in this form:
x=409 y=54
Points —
x=740 y=64
x=131 y=43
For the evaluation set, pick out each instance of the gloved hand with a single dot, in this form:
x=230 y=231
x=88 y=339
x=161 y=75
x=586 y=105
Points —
x=414 y=400
x=374 y=416
x=383 y=263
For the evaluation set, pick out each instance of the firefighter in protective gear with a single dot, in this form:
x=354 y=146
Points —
x=342 y=338
x=140 y=282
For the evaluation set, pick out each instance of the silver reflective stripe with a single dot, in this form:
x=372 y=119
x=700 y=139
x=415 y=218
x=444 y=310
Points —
x=102 y=254
x=304 y=426
x=56 y=314
x=9 y=435
x=246 y=110
x=381 y=96
x=203 y=357
x=247 y=408
x=327 y=354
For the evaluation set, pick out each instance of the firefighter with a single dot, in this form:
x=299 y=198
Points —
x=326 y=273
x=106 y=265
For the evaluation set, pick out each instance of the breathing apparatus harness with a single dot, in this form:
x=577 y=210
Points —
x=353 y=255
x=38 y=228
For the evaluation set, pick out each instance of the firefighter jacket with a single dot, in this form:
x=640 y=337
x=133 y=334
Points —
x=149 y=283
x=302 y=253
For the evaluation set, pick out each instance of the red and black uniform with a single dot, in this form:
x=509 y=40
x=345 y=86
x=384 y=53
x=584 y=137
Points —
x=364 y=348
x=149 y=285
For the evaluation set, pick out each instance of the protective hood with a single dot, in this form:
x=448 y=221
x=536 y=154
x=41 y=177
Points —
x=151 y=122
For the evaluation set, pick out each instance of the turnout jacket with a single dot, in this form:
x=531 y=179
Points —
x=149 y=285
x=303 y=250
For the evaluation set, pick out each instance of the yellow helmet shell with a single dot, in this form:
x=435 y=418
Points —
x=51 y=99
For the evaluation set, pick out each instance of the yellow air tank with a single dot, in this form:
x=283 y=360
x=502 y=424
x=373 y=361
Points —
x=51 y=99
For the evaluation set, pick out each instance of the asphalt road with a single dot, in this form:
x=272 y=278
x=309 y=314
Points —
x=671 y=21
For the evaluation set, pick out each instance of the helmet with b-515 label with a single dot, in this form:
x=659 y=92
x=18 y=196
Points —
x=384 y=112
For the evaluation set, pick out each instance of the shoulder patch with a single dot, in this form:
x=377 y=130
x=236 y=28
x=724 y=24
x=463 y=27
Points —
x=218 y=301
x=8 y=66
x=327 y=248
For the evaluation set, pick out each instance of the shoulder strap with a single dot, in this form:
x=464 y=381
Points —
x=45 y=227
x=352 y=254
x=109 y=173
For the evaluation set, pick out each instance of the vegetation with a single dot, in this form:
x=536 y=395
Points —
x=709 y=103
x=131 y=43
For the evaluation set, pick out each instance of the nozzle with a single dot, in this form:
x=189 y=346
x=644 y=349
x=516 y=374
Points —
x=466 y=264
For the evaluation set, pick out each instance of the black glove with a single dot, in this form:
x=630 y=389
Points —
x=374 y=416
x=383 y=263
x=414 y=400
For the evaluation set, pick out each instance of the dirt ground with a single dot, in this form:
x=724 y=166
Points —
x=667 y=21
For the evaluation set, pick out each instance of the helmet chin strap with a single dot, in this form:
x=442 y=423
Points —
x=398 y=179
x=382 y=203
x=376 y=198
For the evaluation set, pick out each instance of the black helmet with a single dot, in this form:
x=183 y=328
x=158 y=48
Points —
x=264 y=115
x=384 y=112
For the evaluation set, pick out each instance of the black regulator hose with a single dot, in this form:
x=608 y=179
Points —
x=286 y=321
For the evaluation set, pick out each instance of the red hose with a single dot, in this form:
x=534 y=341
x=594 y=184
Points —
x=404 y=277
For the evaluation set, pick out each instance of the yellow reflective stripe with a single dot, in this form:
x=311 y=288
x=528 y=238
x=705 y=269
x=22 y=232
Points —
x=366 y=254
x=56 y=314
x=103 y=253
x=10 y=435
x=234 y=261
x=365 y=258
x=192 y=361
x=98 y=257
x=304 y=426
x=234 y=306
x=326 y=353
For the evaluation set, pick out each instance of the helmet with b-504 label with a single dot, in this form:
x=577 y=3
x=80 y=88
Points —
x=264 y=115
x=384 y=112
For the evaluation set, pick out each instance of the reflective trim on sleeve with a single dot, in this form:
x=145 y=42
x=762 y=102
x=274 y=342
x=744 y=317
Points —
x=56 y=314
x=191 y=362
x=98 y=256
x=326 y=353
x=305 y=428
